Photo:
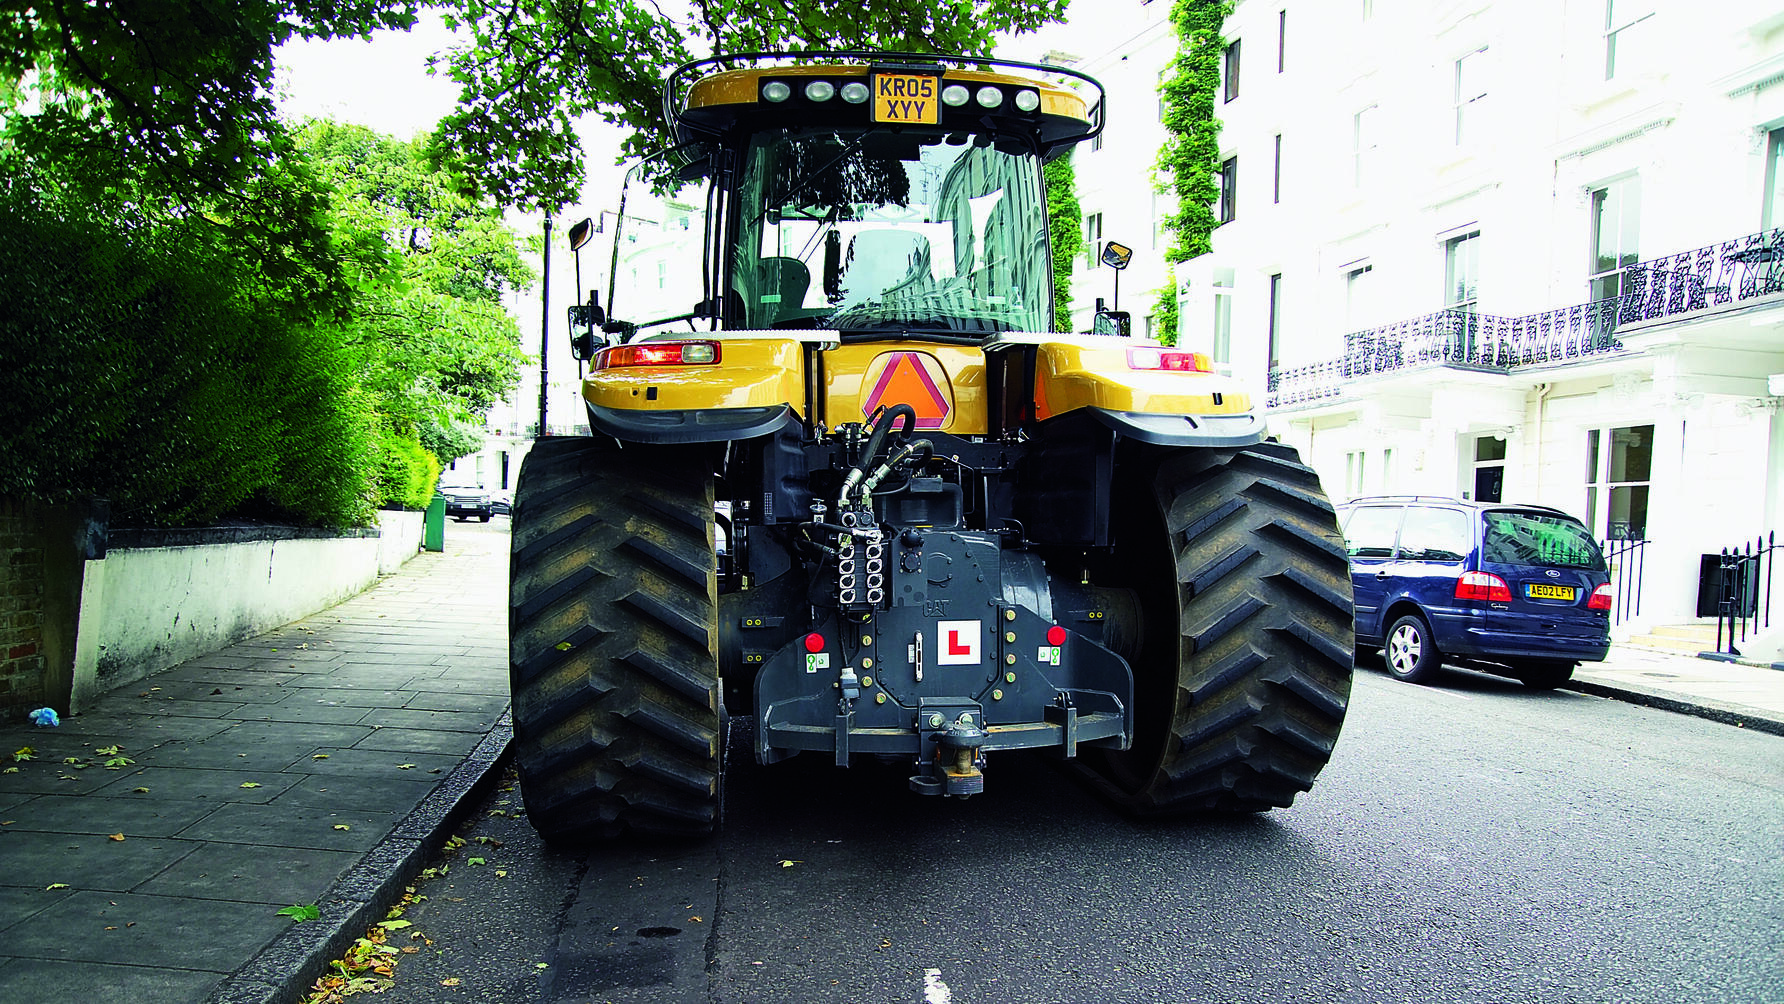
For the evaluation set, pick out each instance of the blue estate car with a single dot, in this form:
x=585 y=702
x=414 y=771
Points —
x=1522 y=589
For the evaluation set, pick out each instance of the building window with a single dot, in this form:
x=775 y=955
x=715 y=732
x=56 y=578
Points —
x=1771 y=214
x=1366 y=8
x=1363 y=142
x=1619 y=468
x=1461 y=271
x=1620 y=17
x=1489 y=469
x=1616 y=223
x=1281 y=40
x=1230 y=72
x=1222 y=348
x=1276 y=174
x=1229 y=190
x=1273 y=350
x=1358 y=286
x=1093 y=239
x=1471 y=95
x=1356 y=470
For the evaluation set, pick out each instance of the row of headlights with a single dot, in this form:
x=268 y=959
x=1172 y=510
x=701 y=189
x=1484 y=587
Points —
x=856 y=93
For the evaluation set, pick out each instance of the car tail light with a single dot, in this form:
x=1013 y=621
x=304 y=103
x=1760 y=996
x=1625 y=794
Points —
x=1482 y=586
x=1174 y=360
x=1601 y=598
x=656 y=354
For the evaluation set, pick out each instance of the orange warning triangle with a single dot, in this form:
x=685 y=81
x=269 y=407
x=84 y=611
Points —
x=905 y=380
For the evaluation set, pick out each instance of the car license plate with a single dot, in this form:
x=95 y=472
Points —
x=906 y=98
x=1547 y=591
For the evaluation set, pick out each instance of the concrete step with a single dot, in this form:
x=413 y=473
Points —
x=1706 y=632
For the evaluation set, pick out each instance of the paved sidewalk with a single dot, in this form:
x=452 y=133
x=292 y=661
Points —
x=316 y=763
x=1750 y=696
x=323 y=762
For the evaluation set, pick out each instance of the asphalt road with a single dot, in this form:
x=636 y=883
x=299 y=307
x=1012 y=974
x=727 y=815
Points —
x=1474 y=841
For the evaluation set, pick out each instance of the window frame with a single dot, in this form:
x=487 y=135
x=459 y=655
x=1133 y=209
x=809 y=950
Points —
x=1601 y=489
x=1466 y=102
x=1229 y=71
x=1627 y=190
x=1229 y=190
x=1453 y=247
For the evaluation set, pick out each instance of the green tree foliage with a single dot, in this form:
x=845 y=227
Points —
x=177 y=92
x=407 y=471
x=1190 y=157
x=1064 y=225
x=537 y=66
x=436 y=348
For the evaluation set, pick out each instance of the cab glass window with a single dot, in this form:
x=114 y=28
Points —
x=1435 y=535
x=1370 y=531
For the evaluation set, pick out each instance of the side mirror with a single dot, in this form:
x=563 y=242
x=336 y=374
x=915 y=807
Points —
x=584 y=318
x=1112 y=322
x=580 y=233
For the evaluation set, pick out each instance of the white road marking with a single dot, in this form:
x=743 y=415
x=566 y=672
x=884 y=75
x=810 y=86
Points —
x=934 y=990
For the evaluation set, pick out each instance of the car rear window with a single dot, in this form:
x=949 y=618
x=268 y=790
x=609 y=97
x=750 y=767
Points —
x=1528 y=538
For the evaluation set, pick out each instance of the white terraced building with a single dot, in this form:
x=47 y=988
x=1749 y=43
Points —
x=1520 y=250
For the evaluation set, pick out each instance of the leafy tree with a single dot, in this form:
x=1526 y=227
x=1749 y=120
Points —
x=535 y=67
x=177 y=92
x=437 y=348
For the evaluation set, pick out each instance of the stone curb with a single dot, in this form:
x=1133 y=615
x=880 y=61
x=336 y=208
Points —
x=286 y=969
x=1725 y=716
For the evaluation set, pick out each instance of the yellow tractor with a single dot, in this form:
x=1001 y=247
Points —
x=845 y=478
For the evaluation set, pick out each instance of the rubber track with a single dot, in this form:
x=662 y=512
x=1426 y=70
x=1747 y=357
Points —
x=613 y=637
x=1265 y=635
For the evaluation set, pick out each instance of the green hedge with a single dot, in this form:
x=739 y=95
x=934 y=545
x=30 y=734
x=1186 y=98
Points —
x=139 y=371
x=407 y=472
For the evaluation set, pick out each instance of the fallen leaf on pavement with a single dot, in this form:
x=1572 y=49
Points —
x=140 y=791
x=785 y=863
x=450 y=981
x=55 y=885
x=405 y=766
x=117 y=836
x=250 y=784
x=342 y=826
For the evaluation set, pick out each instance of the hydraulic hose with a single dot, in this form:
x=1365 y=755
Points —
x=881 y=427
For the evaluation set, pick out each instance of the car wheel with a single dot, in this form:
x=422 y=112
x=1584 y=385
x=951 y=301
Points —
x=1411 y=653
x=483 y=518
x=1544 y=674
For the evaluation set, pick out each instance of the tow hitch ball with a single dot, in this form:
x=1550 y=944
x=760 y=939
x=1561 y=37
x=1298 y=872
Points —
x=954 y=770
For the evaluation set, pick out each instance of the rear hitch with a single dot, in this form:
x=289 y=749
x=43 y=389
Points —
x=956 y=767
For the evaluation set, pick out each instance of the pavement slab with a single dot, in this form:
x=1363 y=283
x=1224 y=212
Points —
x=84 y=861
x=46 y=980
x=247 y=873
x=133 y=815
x=165 y=932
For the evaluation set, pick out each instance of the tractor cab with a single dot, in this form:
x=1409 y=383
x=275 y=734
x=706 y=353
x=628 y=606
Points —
x=864 y=194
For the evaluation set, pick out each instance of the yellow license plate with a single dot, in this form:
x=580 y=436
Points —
x=1545 y=591
x=906 y=98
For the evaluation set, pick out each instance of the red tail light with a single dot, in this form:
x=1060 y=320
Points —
x=1601 y=598
x=1482 y=586
x=1174 y=360
x=656 y=354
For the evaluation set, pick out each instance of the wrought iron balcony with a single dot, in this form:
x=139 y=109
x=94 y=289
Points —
x=1705 y=279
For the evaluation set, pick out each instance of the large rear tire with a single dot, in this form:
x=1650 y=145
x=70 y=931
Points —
x=613 y=640
x=1246 y=655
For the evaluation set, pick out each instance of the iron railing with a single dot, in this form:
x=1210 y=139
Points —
x=1744 y=605
x=1709 y=277
x=1627 y=560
